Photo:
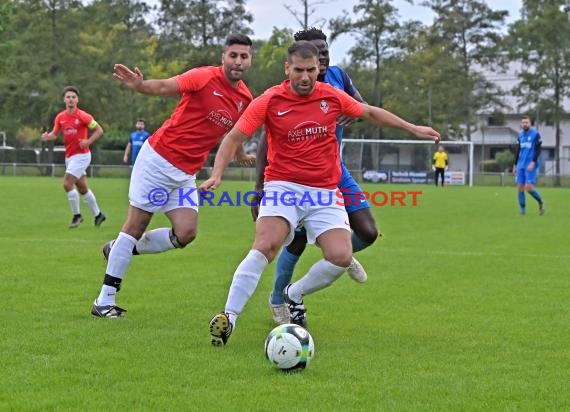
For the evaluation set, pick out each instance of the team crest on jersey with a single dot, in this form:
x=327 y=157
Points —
x=324 y=106
x=76 y=121
x=240 y=106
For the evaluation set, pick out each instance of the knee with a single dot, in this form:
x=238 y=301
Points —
x=339 y=258
x=185 y=237
x=267 y=247
x=67 y=186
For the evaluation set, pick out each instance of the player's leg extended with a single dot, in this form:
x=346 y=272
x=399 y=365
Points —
x=119 y=260
x=270 y=234
x=360 y=217
x=285 y=265
x=530 y=178
x=521 y=181
x=337 y=256
x=89 y=198
x=73 y=198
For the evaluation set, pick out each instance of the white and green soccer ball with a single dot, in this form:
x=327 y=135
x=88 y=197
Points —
x=290 y=347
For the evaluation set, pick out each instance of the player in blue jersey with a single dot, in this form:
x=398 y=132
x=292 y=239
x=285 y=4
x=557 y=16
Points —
x=527 y=163
x=136 y=140
x=360 y=216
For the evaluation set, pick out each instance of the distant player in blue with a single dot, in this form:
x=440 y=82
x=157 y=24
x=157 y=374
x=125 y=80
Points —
x=136 y=140
x=527 y=163
x=360 y=217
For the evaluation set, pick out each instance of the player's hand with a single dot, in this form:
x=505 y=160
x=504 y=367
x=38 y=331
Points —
x=433 y=168
x=248 y=160
x=426 y=132
x=130 y=78
x=45 y=136
x=344 y=121
x=211 y=184
x=255 y=201
x=446 y=168
x=125 y=159
x=515 y=170
x=84 y=143
x=530 y=167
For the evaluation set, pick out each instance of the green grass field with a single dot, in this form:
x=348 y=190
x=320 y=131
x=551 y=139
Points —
x=466 y=308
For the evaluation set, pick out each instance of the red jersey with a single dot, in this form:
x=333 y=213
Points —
x=74 y=128
x=301 y=142
x=207 y=110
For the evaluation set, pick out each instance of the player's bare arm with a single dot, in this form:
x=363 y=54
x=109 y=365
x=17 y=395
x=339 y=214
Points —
x=260 y=165
x=48 y=136
x=97 y=133
x=384 y=118
x=233 y=140
x=134 y=79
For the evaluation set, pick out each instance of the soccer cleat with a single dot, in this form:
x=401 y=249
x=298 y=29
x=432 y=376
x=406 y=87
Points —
x=541 y=209
x=107 y=249
x=107 y=311
x=280 y=312
x=100 y=218
x=220 y=329
x=76 y=221
x=297 y=309
x=356 y=271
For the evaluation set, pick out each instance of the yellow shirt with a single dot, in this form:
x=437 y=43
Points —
x=440 y=159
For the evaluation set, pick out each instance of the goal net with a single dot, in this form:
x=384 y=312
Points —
x=406 y=161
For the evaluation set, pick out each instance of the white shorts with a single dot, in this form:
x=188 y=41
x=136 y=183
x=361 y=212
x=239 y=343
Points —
x=318 y=210
x=77 y=164
x=157 y=186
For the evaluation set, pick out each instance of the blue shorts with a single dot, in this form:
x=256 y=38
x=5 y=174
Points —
x=524 y=176
x=349 y=189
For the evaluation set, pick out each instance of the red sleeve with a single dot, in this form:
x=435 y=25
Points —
x=349 y=106
x=194 y=79
x=85 y=117
x=56 y=128
x=254 y=116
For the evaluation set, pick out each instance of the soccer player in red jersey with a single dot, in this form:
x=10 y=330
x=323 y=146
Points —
x=303 y=173
x=163 y=177
x=75 y=124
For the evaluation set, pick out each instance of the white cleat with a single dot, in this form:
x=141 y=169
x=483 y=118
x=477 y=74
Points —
x=356 y=271
x=280 y=312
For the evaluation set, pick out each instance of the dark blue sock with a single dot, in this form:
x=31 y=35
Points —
x=357 y=243
x=535 y=194
x=522 y=201
x=283 y=274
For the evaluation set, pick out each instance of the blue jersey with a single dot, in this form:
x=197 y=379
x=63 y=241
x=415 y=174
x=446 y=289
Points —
x=137 y=139
x=529 y=148
x=337 y=77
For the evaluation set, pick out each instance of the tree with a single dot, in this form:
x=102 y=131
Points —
x=541 y=42
x=198 y=27
x=308 y=10
x=374 y=28
x=469 y=30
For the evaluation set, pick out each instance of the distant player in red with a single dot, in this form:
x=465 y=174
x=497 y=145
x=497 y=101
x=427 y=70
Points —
x=163 y=177
x=302 y=175
x=75 y=124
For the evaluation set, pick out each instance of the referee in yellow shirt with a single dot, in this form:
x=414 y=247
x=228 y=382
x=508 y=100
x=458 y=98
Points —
x=440 y=164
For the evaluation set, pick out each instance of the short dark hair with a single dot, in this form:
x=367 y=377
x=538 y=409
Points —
x=238 y=38
x=70 y=89
x=140 y=119
x=524 y=117
x=312 y=33
x=303 y=49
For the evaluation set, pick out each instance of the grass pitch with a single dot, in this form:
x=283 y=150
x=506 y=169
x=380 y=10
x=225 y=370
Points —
x=466 y=308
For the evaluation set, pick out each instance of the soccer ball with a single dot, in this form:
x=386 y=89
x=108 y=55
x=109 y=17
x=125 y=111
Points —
x=289 y=347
